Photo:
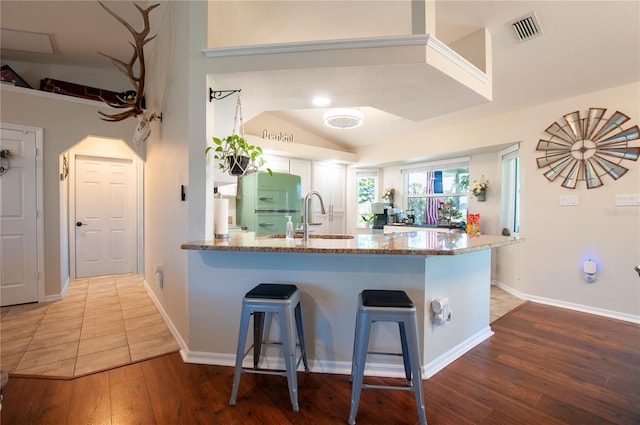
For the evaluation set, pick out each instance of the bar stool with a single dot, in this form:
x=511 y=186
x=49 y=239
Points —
x=284 y=301
x=386 y=306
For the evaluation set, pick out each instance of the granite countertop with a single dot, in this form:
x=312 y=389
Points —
x=406 y=243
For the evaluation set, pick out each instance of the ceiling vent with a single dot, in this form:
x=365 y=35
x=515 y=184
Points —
x=526 y=27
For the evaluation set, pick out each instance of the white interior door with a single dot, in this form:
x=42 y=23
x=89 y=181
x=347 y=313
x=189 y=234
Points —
x=18 y=218
x=105 y=220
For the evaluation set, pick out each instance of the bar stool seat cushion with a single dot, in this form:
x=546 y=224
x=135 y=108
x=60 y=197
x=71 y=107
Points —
x=386 y=298
x=274 y=291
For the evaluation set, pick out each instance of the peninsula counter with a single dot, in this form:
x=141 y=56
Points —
x=330 y=271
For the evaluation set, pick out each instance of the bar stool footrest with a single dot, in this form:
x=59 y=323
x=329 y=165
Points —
x=265 y=371
x=388 y=387
x=380 y=353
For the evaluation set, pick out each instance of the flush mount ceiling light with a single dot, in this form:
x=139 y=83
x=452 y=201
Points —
x=321 y=101
x=343 y=118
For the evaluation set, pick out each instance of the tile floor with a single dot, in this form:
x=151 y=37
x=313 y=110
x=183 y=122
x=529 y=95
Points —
x=101 y=323
x=502 y=302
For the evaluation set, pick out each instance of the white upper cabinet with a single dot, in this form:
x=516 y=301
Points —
x=302 y=168
x=299 y=167
x=329 y=180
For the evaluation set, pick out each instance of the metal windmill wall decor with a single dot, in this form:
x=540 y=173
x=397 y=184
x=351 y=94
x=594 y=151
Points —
x=586 y=149
x=134 y=106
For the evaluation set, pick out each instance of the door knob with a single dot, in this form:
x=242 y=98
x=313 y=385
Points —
x=79 y=223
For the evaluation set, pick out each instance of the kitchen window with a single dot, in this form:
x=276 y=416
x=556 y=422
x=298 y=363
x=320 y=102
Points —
x=510 y=189
x=367 y=193
x=438 y=192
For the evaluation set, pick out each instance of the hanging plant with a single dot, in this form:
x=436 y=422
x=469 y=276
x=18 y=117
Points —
x=479 y=189
x=235 y=155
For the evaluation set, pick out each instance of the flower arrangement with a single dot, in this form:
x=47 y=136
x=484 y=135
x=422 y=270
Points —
x=6 y=153
x=388 y=194
x=479 y=189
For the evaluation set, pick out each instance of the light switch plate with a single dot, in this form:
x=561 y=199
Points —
x=568 y=200
x=627 y=200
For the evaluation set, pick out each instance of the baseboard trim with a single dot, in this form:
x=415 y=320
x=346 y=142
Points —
x=167 y=320
x=316 y=366
x=569 y=306
x=57 y=297
x=448 y=357
x=344 y=367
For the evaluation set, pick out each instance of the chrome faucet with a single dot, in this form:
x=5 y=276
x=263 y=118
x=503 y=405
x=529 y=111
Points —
x=306 y=212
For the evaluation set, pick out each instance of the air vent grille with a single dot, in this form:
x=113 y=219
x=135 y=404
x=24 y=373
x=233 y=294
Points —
x=527 y=27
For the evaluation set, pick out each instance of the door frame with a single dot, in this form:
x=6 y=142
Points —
x=138 y=225
x=39 y=132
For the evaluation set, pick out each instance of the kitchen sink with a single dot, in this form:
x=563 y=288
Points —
x=313 y=236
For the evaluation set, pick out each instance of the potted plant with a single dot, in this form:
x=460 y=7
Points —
x=237 y=156
x=366 y=219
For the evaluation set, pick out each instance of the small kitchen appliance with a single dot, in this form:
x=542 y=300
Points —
x=379 y=211
x=411 y=218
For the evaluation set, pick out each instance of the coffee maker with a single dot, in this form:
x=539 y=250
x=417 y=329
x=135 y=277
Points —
x=379 y=210
x=411 y=218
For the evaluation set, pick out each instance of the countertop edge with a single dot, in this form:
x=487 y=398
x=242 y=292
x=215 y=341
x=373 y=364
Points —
x=211 y=246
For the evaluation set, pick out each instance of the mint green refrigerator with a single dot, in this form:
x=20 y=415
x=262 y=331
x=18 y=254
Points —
x=264 y=201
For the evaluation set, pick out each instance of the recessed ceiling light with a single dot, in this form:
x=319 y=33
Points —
x=321 y=101
x=343 y=118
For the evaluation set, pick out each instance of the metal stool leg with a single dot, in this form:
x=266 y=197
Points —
x=414 y=352
x=287 y=318
x=360 y=357
x=406 y=358
x=258 y=334
x=300 y=329
x=242 y=340
x=355 y=344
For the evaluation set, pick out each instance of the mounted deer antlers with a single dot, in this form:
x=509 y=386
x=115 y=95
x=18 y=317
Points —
x=133 y=107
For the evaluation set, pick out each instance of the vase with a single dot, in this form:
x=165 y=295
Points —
x=238 y=165
x=481 y=197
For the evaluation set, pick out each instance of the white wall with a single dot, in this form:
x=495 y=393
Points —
x=259 y=22
x=175 y=157
x=66 y=121
x=547 y=266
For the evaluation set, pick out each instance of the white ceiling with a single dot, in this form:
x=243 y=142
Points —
x=586 y=46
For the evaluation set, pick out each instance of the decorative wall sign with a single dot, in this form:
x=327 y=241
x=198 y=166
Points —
x=585 y=149
x=278 y=136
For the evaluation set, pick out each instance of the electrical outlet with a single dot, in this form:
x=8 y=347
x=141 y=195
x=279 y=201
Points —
x=627 y=200
x=568 y=200
x=159 y=276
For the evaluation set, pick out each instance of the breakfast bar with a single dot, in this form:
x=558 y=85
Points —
x=330 y=271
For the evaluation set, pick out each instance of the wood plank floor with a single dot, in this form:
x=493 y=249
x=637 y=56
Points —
x=544 y=365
